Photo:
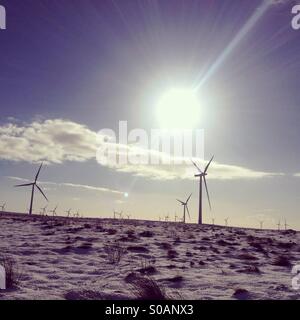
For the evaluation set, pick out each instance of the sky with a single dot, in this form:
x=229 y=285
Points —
x=71 y=68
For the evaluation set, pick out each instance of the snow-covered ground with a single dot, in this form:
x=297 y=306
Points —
x=74 y=258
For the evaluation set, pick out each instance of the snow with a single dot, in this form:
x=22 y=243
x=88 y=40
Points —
x=72 y=258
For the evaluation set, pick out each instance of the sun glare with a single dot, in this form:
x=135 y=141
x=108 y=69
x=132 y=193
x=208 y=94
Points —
x=178 y=108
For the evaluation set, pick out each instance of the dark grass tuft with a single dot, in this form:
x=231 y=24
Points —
x=282 y=261
x=12 y=272
x=145 y=288
x=241 y=294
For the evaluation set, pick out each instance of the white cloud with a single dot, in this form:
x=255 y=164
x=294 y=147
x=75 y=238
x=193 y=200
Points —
x=57 y=141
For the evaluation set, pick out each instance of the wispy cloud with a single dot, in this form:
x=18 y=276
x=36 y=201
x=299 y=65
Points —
x=278 y=2
x=297 y=175
x=58 y=141
x=70 y=185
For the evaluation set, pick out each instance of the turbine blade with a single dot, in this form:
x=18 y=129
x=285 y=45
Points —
x=196 y=166
x=187 y=209
x=207 y=192
x=41 y=191
x=206 y=168
x=38 y=173
x=24 y=185
x=180 y=201
x=188 y=198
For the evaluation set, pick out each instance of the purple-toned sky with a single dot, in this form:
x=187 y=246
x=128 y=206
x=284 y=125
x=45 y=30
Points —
x=69 y=68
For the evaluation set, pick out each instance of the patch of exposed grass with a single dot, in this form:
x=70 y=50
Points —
x=145 y=288
x=114 y=252
x=12 y=272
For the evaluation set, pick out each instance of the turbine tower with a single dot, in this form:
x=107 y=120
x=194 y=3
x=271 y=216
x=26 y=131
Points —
x=185 y=207
x=33 y=185
x=201 y=175
x=285 y=225
x=278 y=225
x=261 y=223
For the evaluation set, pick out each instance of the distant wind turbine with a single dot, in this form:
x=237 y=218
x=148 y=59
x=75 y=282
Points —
x=261 y=224
x=3 y=207
x=213 y=221
x=128 y=216
x=54 y=211
x=167 y=218
x=176 y=217
x=33 y=185
x=278 y=225
x=43 y=211
x=118 y=214
x=285 y=224
x=68 y=212
x=185 y=207
x=226 y=221
x=201 y=175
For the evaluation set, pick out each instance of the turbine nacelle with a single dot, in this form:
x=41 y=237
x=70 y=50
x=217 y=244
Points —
x=200 y=175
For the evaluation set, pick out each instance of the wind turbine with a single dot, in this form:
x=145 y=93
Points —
x=176 y=217
x=68 y=212
x=285 y=224
x=43 y=211
x=33 y=185
x=54 y=211
x=261 y=224
x=185 y=207
x=213 y=221
x=278 y=225
x=128 y=216
x=226 y=221
x=167 y=218
x=201 y=175
x=118 y=214
x=3 y=207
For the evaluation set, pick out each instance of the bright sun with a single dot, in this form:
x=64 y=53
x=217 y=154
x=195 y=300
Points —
x=178 y=108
